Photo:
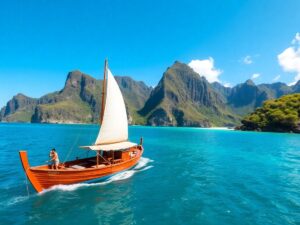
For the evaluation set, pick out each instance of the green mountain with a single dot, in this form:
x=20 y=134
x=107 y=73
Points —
x=243 y=98
x=183 y=98
x=281 y=115
x=246 y=97
x=276 y=90
x=223 y=91
x=20 y=108
x=77 y=102
x=135 y=94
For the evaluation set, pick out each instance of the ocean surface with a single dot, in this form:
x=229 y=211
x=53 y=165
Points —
x=186 y=176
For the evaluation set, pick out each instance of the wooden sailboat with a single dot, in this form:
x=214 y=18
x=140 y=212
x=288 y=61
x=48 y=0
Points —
x=114 y=153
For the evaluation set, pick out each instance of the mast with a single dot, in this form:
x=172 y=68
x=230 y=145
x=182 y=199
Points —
x=103 y=91
x=114 y=124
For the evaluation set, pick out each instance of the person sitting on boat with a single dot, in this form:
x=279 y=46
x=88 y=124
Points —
x=54 y=159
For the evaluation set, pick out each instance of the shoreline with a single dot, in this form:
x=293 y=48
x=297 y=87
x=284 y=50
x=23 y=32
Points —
x=131 y=125
x=141 y=125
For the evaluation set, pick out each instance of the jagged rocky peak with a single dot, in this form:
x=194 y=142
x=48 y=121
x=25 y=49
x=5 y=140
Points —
x=19 y=101
x=181 y=98
x=76 y=78
x=127 y=82
x=190 y=85
x=20 y=95
x=78 y=101
x=221 y=89
x=247 y=96
x=296 y=87
x=277 y=84
x=181 y=68
x=73 y=79
x=249 y=82
x=179 y=72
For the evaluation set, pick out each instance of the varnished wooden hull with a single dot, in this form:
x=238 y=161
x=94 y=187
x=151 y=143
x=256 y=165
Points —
x=43 y=178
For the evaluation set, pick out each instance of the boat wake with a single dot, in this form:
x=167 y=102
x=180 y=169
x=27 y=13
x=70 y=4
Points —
x=142 y=165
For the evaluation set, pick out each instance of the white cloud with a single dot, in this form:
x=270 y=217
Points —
x=296 y=39
x=289 y=59
x=296 y=79
x=255 y=75
x=247 y=60
x=227 y=84
x=276 y=78
x=205 y=68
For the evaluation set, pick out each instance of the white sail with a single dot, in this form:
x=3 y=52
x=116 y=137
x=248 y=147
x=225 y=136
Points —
x=114 y=127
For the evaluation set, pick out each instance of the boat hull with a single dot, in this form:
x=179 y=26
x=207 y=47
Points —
x=44 y=178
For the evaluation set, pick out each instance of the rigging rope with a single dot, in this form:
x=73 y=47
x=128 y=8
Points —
x=71 y=149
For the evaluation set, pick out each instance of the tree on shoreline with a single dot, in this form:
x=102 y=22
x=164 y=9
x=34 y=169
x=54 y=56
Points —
x=282 y=114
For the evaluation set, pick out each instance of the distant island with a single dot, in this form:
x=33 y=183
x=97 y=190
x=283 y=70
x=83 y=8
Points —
x=181 y=98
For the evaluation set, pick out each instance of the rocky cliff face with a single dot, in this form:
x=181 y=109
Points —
x=18 y=109
x=135 y=95
x=222 y=90
x=183 y=98
x=244 y=98
x=275 y=90
x=77 y=102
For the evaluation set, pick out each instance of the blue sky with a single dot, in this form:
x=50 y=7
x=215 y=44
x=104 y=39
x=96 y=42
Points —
x=229 y=40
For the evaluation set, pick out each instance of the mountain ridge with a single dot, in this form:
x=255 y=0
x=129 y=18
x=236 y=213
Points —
x=181 y=98
x=77 y=102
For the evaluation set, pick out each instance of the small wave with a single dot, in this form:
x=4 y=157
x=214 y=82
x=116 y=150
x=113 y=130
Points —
x=141 y=166
x=14 y=201
x=142 y=163
x=146 y=168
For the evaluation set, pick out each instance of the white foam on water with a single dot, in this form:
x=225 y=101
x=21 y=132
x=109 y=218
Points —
x=121 y=176
x=70 y=187
x=140 y=166
x=142 y=163
x=215 y=128
x=146 y=168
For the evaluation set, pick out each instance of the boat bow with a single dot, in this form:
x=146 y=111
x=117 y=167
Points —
x=29 y=174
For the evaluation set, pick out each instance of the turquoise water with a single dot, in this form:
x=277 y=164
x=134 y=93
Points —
x=186 y=176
